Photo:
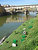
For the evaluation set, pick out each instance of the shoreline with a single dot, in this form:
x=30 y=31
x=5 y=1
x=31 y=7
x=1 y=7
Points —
x=18 y=30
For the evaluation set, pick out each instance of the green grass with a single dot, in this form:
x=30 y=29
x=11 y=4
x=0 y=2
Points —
x=30 y=42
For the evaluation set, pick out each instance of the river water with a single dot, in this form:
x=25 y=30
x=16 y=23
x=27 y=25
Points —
x=11 y=22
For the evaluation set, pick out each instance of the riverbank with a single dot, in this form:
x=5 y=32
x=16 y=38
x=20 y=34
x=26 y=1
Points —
x=29 y=41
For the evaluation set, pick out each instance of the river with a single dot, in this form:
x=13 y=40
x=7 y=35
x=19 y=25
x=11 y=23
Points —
x=11 y=22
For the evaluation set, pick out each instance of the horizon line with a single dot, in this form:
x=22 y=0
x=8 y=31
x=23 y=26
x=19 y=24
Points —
x=20 y=5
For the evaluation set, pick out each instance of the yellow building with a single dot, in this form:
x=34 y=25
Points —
x=2 y=10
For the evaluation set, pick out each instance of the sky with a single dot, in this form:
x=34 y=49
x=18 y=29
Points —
x=18 y=2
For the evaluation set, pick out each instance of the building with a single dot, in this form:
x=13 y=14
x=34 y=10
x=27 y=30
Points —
x=2 y=10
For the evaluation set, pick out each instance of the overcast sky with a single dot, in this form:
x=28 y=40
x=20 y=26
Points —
x=18 y=2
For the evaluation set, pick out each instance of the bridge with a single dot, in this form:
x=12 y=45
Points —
x=14 y=9
x=21 y=8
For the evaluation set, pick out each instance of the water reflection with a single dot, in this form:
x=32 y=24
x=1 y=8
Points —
x=2 y=21
x=33 y=14
x=15 y=19
x=9 y=23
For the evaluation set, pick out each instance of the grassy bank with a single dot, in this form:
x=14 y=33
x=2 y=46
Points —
x=29 y=42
